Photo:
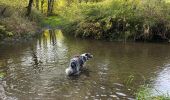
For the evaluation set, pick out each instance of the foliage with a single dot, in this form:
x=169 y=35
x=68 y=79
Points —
x=117 y=19
x=145 y=20
x=13 y=19
x=4 y=32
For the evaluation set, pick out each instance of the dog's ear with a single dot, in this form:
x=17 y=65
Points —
x=84 y=58
x=86 y=54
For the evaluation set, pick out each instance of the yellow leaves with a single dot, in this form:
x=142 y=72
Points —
x=61 y=3
x=167 y=1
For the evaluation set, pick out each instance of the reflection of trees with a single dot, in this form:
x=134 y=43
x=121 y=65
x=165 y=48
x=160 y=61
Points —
x=52 y=36
x=44 y=39
x=161 y=81
x=36 y=62
x=3 y=68
x=48 y=36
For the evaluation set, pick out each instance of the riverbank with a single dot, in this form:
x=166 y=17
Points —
x=15 y=25
x=117 y=20
x=106 y=20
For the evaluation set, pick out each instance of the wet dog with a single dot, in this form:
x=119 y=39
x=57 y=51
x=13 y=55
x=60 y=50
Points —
x=76 y=64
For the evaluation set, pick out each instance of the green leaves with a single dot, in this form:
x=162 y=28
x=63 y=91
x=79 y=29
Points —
x=9 y=33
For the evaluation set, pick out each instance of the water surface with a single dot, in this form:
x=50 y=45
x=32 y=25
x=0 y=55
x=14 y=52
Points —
x=36 y=70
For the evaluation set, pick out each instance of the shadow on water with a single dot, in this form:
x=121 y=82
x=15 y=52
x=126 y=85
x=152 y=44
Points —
x=36 y=69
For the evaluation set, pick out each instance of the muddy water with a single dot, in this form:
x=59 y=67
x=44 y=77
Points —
x=36 y=70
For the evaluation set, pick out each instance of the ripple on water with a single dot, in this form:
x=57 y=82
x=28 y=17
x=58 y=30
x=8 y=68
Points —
x=103 y=95
x=113 y=96
x=121 y=94
x=102 y=87
x=118 y=84
x=67 y=96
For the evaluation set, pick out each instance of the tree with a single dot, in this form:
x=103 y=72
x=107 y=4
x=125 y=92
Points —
x=50 y=7
x=37 y=4
x=29 y=7
x=42 y=3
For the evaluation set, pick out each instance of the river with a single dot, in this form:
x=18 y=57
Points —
x=35 y=70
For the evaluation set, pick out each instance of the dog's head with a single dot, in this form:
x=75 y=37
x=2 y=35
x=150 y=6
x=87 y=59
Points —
x=87 y=56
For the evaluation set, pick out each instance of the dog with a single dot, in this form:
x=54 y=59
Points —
x=76 y=64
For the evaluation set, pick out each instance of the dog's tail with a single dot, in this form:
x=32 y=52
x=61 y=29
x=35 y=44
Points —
x=69 y=71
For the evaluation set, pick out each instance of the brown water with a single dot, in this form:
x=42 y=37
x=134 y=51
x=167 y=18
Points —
x=36 y=70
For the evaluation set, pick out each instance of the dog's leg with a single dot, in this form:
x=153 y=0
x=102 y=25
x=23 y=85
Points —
x=78 y=69
x=77 y=73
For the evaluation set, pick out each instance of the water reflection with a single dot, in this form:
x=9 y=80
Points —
x=35 y=70
x=161 y=84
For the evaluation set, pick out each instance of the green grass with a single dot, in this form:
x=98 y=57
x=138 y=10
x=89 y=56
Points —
x=54 y=21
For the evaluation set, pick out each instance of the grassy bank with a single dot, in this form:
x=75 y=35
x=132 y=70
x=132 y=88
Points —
x=139 y=20
x=14 y=25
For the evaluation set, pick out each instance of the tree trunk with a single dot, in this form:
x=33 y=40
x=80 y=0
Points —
x=80 y=1
x=3 y=11
x=50 y=7
x=68 y=2
x=29 y=8
x=42 y=3
x=37 y=4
